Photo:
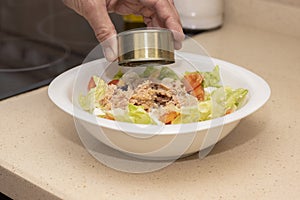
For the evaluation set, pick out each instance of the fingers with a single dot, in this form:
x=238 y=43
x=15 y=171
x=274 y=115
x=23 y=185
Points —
x=178 y=42
x=95 y=12
x=166 y=12
x=127 y=7
x=167 y=15
x=156 y=22
x=104 y=30
x=110 y=48
x=146 y=12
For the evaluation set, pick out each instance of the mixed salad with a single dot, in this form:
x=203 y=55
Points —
x=157 y=95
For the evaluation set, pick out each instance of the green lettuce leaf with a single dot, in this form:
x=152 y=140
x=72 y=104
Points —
x=211 y=79
x=91 y=100
x=235 y=98
x=149 y=71
x=166 y=72
x=121 y=115
x=159 y=73
x=205 y=110
x=134 y=114
x=226 y=100
x=138 y=115
x=187 y=115
x=118 y=75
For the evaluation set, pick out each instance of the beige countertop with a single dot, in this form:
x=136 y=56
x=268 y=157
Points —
x=41 y=156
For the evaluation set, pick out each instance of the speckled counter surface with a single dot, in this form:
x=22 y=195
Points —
x=41 y=156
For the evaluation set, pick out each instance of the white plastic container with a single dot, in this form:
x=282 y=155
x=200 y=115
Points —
x=200 y=14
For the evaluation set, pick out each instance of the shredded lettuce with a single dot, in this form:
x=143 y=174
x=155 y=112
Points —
x=138 y=115
x=166 y=72
x=91 y=100
x=211 y=79
x=205 y=110
x=235 y=98
x=133 y=114
x=187 y=115
x=150 y=71
x=99 y=112
x=118 y=75
x=121 y=115
x=226 y=100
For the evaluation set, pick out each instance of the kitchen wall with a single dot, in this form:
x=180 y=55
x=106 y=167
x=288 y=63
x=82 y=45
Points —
x=286 y=2
x=281 y=16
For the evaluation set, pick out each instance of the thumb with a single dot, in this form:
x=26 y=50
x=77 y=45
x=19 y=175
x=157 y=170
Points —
x=104 y=30
x=110 y=48
x=106 y=34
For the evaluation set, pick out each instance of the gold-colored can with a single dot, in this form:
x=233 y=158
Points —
x=144 y=46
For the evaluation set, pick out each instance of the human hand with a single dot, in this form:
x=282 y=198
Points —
x=156 y=13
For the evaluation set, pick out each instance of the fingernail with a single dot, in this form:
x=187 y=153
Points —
x=110 y=48
x=109 y=54
x=177 y=45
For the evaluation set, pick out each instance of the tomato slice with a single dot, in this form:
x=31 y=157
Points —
x=113 y=82
x=229 y=111
x=91 y=84
x=168 y=117
x=198 y=92
x=192 y=81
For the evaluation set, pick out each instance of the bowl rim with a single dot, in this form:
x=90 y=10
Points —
x=58 y=96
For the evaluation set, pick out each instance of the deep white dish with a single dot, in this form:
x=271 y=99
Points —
x=151 y=141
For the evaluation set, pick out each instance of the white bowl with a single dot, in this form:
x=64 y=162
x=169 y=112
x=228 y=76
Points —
x=151 y=141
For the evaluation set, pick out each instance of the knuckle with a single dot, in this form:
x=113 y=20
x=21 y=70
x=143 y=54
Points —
x=104 y=33
x=87 y=7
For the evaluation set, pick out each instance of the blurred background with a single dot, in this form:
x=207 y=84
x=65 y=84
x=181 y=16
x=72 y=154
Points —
x=40 y=39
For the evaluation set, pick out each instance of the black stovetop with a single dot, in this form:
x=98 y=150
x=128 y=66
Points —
x=40 y=40
x=26 y=63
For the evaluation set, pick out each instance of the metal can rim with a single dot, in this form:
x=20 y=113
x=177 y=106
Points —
x=149 y=30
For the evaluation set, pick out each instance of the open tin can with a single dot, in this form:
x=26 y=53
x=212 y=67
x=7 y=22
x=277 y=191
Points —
x=145 y=46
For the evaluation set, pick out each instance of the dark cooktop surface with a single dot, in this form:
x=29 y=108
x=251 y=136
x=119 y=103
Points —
x=38 y=41
x=27 y=64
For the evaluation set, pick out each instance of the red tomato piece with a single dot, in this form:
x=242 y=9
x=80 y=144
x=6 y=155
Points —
x=192 y=81
x=91 y=84
x=113 y=82
x=199 y=93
